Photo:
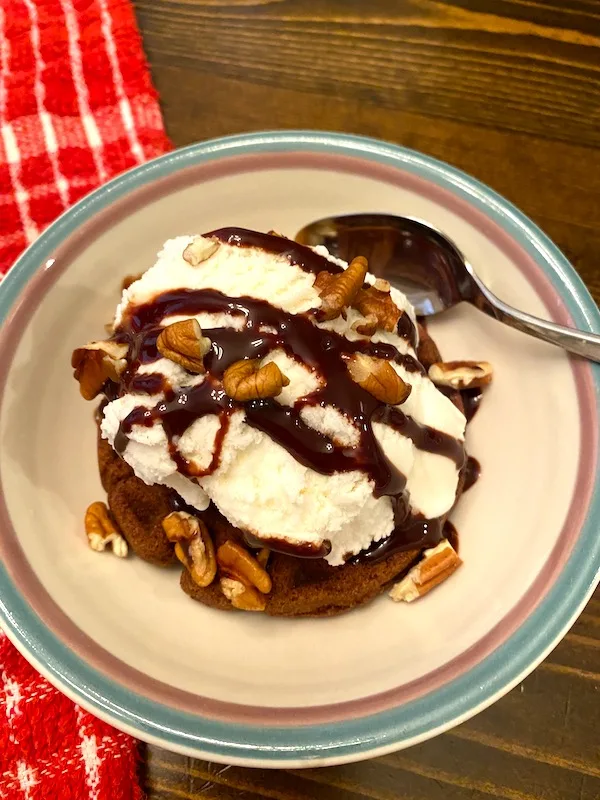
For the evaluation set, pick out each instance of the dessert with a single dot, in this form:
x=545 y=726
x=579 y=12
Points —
x=278 y=423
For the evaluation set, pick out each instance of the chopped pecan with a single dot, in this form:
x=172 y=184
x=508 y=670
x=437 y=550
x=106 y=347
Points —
x=461 y=374
x=342 y=289
x=199 y=250
x=183 y=343
x=101 y=530
x=247 y=380
x=179 y=526
x=97 y=363
x=367 y=326
x=437 y=564
x=379 y=378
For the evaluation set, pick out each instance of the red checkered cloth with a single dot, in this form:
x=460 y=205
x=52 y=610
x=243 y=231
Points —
x=76 y=108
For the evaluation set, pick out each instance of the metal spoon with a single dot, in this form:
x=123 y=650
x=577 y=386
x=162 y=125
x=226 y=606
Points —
x=432 y=272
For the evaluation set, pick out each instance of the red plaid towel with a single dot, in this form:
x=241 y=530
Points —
x=76 y=108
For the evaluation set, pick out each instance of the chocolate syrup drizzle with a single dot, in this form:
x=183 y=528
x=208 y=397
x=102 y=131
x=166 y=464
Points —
x=266 y=328
x=301 y=256
x=297 y=254
x=472 y=471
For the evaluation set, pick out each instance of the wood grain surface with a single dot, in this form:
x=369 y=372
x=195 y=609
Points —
x=508 y=90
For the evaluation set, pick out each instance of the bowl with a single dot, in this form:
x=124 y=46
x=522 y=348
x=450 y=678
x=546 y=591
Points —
x=120 y=638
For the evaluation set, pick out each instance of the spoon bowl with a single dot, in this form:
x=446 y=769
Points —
x=430 y=270
x=414 y=257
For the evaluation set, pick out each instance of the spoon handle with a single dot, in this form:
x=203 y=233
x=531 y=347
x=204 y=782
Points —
x=581 y=343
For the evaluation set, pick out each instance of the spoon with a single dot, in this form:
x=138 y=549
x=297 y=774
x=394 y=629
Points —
x=431 y=271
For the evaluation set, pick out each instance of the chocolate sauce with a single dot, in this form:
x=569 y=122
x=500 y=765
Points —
x=470 y=398
x=298 y=254
x=300 y=550
x=303 y=257
x=295 y=334
x=472 y=473
x=142 y=346
x=406 y=329
x=415 y=534
x=471 y=401
x=423 y=437
x=111 y=391
x=451 y=534
x=176 y=413
x=147 y=383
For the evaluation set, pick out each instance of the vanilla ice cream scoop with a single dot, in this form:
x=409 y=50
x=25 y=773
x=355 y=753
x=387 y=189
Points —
x=261 y=376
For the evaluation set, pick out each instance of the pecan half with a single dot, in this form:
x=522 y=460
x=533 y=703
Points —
x=461 y=374
x=199 y=250
x=244 y=579
x=342 y=289
x=193 y=546
x=246 y=380
x=101 y=530
x=97 y=363
x=238 y=563
x=437 y=564
x=378 y=302
x=379 y=378
x=183 y=343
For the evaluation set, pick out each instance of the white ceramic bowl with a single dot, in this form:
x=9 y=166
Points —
x=120 y=637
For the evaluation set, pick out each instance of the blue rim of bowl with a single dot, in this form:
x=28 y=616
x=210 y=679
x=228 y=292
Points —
x=386 y=731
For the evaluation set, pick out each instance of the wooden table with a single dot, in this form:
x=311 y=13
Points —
x=508 y=90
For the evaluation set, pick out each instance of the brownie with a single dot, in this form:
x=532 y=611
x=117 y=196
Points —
x=301 y=586
x=304 y=586
x=112 y=468
x=138 y=509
